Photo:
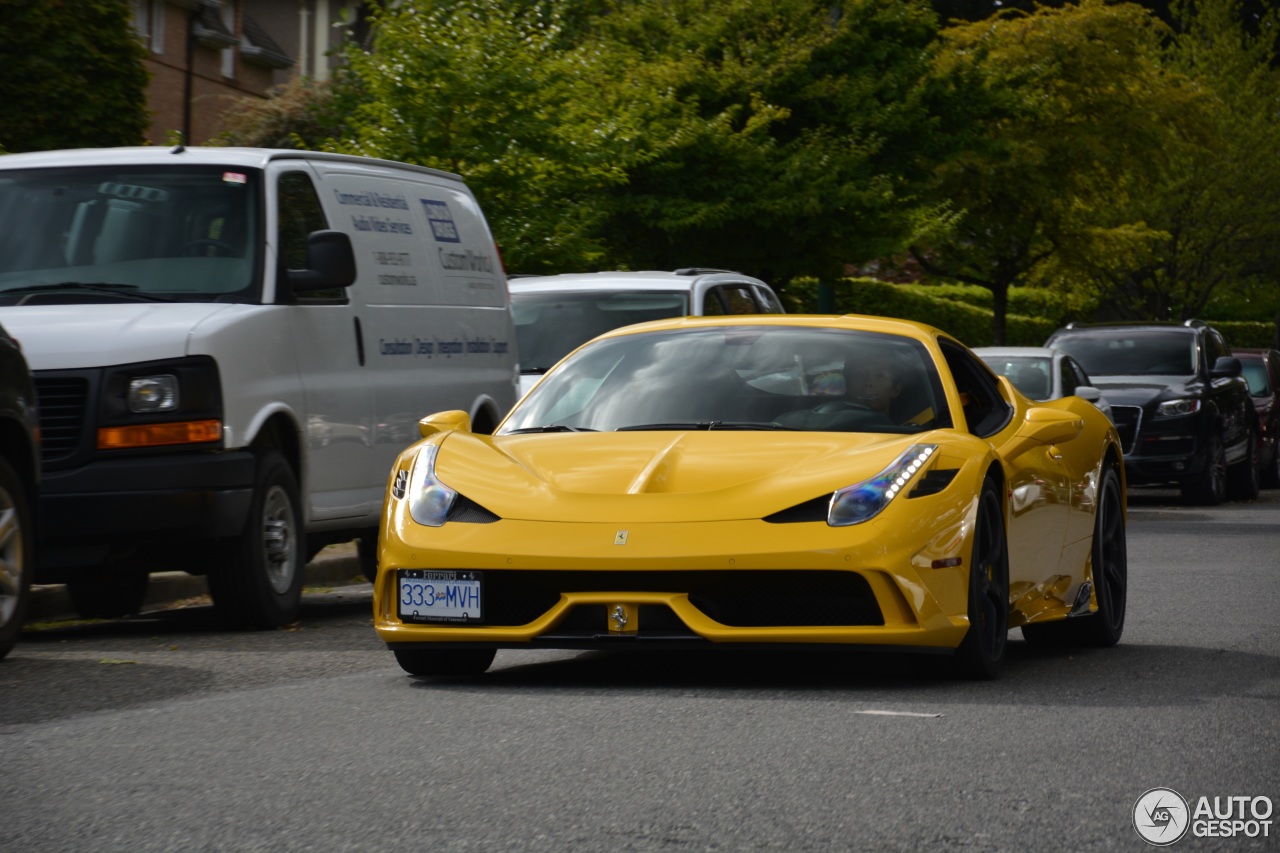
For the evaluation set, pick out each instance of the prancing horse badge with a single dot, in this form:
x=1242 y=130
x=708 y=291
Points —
x=620 y=538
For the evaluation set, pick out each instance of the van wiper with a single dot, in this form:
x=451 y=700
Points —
x=549 y=428
x=107 y=287
x=706 y=425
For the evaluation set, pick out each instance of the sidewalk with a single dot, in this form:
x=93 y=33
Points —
x=334 y=566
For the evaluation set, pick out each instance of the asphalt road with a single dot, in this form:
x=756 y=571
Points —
x=164 y=733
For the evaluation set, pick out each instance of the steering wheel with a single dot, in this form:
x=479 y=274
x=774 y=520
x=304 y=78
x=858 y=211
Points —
x=223 y=249
x=835 y=406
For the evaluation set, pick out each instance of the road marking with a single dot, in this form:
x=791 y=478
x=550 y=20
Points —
x=897 y=714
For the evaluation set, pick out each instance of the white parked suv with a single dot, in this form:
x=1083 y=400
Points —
x=556 y=314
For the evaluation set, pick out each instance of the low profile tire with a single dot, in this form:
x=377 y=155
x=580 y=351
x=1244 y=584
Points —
x=106 y=593
x=445 y=661
x=258 y=584
x=367 y=554
x=1109 y=573
x=1210 y=487
x=16 y=563
x=1244 y=479
x=981 y=653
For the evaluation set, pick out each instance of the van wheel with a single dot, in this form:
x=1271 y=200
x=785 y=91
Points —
x=1210 y=487
x=259 y=581
x=367 y=554
x=106 y=593
x=16 y=557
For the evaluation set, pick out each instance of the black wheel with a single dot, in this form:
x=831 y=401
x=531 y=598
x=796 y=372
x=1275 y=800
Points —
x=259 y=581
x=107 y=592
x=1109 y=572
x=1271 y=473
x=1210 y=487
x=1244 y=479
x=981 y=653
x=444 y=661
x=367 y=554
x=16 y=563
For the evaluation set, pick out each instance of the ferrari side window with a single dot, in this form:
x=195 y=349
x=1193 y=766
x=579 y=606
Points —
x=985 y=411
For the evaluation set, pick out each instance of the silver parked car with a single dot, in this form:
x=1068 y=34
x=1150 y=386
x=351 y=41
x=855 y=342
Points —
x=555 y=314
x=1043 y=374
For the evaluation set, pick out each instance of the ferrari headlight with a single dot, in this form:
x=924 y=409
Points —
x=862 y=501
x=1172 y=408
x=429 y=499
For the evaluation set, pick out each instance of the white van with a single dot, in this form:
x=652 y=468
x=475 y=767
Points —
x=230 y=347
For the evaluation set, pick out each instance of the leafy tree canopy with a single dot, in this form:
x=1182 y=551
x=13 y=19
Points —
x=73 y=75
x=1073 y=112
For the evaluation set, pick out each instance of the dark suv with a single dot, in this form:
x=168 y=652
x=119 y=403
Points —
x=1179 y=401
x=19 y=474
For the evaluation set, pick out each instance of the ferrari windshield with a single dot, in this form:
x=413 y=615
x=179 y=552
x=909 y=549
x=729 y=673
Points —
x=1132 y=353
x=128 y=233
x=740 y=377
x=551 y=325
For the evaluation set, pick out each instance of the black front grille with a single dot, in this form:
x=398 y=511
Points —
x=735 y=598
x=62 y=415
x=1127 y=419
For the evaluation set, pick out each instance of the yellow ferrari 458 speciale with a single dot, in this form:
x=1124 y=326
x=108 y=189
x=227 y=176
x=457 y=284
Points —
x=783 y=481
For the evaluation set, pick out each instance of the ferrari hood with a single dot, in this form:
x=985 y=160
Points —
x=658 y=476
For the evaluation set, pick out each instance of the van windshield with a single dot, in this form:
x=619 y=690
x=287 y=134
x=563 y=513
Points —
x=128 y=233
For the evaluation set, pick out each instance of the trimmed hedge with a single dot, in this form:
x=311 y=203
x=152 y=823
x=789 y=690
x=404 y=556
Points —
x=964 y=311
x=968 y=323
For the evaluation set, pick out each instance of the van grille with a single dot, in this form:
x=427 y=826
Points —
x=62 y=413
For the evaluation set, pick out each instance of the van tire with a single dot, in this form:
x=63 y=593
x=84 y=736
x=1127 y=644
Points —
x=367 y=554
x=258 y=584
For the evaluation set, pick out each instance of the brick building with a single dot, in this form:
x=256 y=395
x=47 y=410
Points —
x=204 y=55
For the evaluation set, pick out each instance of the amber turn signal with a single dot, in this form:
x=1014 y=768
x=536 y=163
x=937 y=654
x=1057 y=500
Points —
x=154 y=435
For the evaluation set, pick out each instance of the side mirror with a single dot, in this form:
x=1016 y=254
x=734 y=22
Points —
x=331 y=262
x=1225 y=367
x=1088 y=392
x=455 y=419
x=1043 y=425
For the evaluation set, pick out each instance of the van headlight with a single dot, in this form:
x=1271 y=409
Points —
x=153 y=393
x=1174 y=408
x=429 y=499
x=864 y=501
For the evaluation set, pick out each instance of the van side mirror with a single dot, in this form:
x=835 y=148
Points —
x=1226 y=366
x=331 y=262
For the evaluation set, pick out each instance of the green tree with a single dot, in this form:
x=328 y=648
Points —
x=780 y=138
x=1072 y=115
x=73 y=75
x=1218 y=207
x=499 y=93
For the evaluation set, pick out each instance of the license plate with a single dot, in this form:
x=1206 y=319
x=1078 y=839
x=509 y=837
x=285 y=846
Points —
x=433 y=596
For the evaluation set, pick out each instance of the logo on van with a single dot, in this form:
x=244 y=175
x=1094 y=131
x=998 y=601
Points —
x=441 y=221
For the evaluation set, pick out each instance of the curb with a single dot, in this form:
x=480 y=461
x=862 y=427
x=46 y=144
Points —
x=334 y=566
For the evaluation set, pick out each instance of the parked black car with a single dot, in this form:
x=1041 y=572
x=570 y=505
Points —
x=1179 y=401
x=1262 y=372
x=19 y=476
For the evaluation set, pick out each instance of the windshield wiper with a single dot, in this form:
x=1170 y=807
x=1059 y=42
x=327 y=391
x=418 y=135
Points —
x=706 y=425
x=107 y=287
x=549 y=428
